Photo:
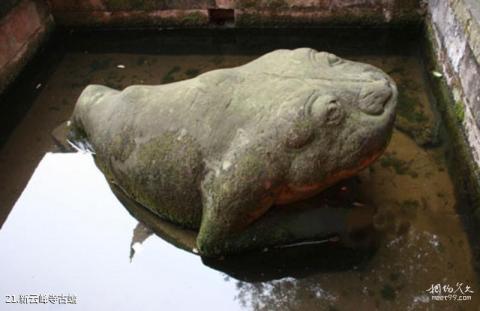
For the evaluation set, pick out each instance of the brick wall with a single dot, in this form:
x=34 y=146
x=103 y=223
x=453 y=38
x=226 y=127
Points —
x=245 y=13
x=23 y=27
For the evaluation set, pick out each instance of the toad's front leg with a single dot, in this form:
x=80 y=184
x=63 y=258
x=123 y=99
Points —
x=236 y=195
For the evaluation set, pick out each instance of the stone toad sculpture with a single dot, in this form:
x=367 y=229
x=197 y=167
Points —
x=216 y=152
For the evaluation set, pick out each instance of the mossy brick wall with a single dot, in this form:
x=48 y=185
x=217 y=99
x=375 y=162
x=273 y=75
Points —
x=248 y=13
x=24 y=25
x=453 y=29
x=456 y=30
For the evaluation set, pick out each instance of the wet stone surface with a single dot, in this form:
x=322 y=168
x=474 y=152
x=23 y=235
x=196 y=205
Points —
x=68 y=233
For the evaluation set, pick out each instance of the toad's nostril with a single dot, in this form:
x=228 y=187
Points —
x=374 y=96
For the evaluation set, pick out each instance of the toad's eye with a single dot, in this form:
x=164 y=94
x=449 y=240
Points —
x=333 y=59
x=326 y=109
x=334 y=113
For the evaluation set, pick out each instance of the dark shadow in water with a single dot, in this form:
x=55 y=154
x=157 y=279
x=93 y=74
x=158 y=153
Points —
x=297 y=262
x=242 y=41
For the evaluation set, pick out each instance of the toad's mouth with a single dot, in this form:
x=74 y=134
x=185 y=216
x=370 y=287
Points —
x=290 y=193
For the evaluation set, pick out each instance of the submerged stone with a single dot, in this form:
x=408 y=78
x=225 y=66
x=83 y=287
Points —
x=215 y=153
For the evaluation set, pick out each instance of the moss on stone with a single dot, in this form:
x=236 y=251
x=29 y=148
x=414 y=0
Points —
x=459 y=111
x=263 y=4
x=140 y=5
x=283 y=17
x=167 y=165
x=194 y=19
x=276 y=4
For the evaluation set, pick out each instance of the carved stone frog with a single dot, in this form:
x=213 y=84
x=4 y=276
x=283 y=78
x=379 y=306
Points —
x=216 y=152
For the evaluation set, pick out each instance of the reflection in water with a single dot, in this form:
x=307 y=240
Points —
x=68 y=234
x=140 y=234
x=286 y=294
x=334 y=215
x=298 y=262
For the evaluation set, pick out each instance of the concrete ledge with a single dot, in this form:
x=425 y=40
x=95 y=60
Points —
x=22 y=30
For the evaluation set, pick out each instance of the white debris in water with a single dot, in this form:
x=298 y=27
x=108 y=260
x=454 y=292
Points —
x=388 y=14
x=365 y=290
x=432 y=240
x=120 y=66
x=395 y=241
x=306 y=243
x=421 y=298
x=38 y=86
x=334 y=239
x=436 y=74
x=321 y=293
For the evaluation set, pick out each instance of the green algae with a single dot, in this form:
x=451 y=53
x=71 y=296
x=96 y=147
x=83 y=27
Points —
x=459 y=111
x=141 y=5
x=400 y=167
x=170 y=75
x=388 y=292
x=193 y=19
x=192 y=72
x=408 y=108
x=411 y=118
